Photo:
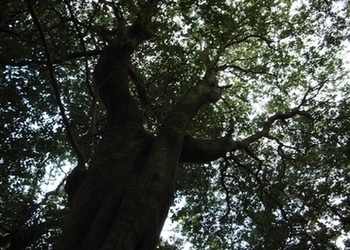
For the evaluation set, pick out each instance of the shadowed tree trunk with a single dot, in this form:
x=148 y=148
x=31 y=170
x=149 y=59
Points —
x=124 y=197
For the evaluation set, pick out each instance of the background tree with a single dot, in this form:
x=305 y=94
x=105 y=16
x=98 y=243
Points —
x=237 y=108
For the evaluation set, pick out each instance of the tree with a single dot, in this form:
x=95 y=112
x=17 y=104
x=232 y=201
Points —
x=238 y=108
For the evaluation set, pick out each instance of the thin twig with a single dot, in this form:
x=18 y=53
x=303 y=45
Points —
x=93 y=111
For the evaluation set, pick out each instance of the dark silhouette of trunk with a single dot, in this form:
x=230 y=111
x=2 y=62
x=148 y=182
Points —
x=122 y=201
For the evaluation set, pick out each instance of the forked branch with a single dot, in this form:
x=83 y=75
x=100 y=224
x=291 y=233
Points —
x=205 y=150
x=268 y=124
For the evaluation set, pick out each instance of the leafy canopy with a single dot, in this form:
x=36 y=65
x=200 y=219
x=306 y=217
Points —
x=290 y=190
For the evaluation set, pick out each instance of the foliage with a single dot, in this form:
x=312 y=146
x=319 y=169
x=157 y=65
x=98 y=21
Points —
x=288 y=190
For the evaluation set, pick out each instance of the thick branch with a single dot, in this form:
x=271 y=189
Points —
x=111 y=78
x=157 y=182
x=206 y=150
x=166 y=150
x=113 y=68
x=201 y=150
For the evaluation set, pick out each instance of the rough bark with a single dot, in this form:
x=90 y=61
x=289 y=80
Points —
x=124 y=198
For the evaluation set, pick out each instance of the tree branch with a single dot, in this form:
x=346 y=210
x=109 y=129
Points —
x=55 y=86
x=93 y=105
x=82 y=44
x=166 y=149
x=113 y=68
x=268 y=124
x=238 y=68
x=139 y=84
x=205 y=150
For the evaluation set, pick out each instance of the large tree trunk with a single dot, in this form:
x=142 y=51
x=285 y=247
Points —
x=123 y=199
